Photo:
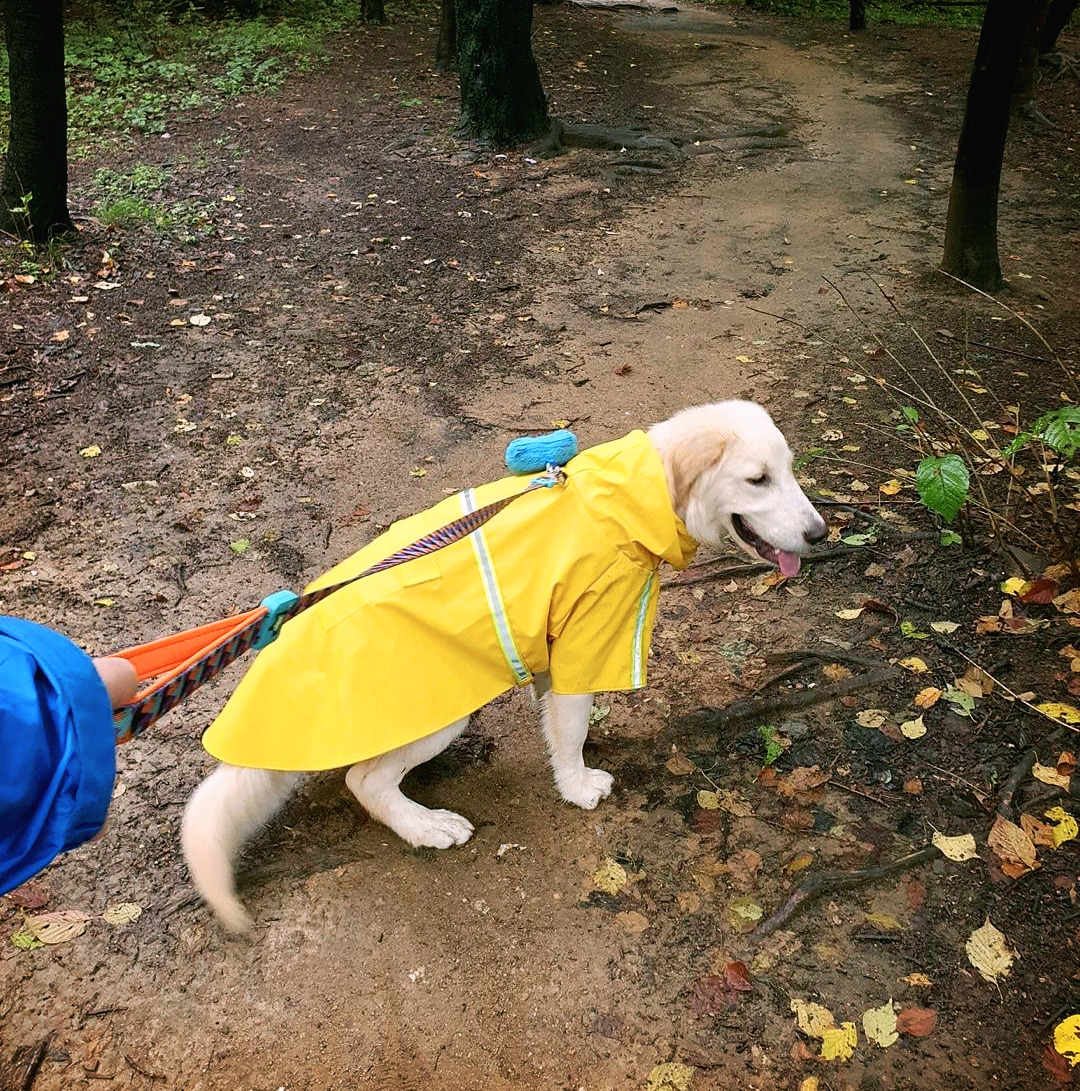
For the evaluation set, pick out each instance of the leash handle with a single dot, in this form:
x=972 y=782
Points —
x=178 y=665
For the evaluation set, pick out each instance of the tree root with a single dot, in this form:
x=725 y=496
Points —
x=753 y=707
x=832 y=881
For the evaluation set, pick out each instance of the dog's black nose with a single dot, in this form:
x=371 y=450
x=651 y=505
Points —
x=819 y=533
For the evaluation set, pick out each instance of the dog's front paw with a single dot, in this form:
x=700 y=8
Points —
x=425 y=828
x=587 y=788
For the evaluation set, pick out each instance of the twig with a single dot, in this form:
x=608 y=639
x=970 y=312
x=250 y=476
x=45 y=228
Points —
x=34 y=1064
x=151 y=1076
x=831 y=882
x=752 y=707
x=942 y=335
x=858 y=792
x=1019 y=774
x=827 y=657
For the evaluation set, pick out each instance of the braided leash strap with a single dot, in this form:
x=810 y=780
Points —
x=181 y=664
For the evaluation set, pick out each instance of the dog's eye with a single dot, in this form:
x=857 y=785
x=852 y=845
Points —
x=761 y=479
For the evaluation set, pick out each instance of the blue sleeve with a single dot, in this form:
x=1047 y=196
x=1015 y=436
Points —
x=57 y=749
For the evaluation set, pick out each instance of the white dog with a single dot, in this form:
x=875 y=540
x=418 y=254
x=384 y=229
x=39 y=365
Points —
x=559 y=590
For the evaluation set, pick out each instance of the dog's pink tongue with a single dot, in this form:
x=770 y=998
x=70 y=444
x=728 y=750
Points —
x=788 y=562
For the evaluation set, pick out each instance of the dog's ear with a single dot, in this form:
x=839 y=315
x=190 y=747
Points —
x=686 y=458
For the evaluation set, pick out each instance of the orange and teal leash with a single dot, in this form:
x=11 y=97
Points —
x=176 y=666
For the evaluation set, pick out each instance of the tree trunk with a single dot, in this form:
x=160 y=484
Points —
x=33 y=194
x=446 y=49
x=502 y=100
x=372 y=11
x=971 y=250
x=1025 y=100
x=1057 y=18
x=857 y=15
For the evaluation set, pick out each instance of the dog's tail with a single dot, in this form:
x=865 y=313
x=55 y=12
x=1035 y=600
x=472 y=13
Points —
x=223 y=812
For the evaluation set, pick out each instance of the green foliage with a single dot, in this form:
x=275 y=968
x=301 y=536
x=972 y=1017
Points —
x=943 y=483
x=773 y=746
x=139 y=197
x=142 y=70
x=897 y=12
x=1059 y=430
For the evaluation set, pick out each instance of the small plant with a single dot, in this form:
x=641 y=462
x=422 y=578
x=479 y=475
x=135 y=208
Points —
x=774 y=747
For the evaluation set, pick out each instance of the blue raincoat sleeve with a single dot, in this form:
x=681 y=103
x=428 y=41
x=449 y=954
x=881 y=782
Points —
x=57 y=749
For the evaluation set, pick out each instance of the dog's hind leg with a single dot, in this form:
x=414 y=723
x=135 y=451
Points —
x=565 y=720
x=223 y=812
x=376 y=784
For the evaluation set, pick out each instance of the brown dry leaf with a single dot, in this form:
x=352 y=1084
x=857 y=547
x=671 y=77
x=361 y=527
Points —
x=688 y=901
x=57 y=927
x=917 y=1022
x=632 y=922
x=1041 y=592
x=835 y=672
x=1011 y=843
x=872 y=717
x=927 y=698
x=1066 y=763
x=1041 y=833
x=989 y=952
x=913 y=787
x=743 y=866
x=679 y=765
x=812 y=1019
x=976 y=682
x=919 y=980
x=958 y=848
x=735 y=804
x=803 y=783
x=1069 y=603
x=1048 y=774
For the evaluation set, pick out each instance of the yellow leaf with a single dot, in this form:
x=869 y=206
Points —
x=980 y=434
x=879 y=1025
x=871 y=717
x=812 y=1019
x=670 y=1076
x=1057 y=710
x=104 y=602
x=560 y=424
x=891 y=487
x=914 y=664
x=1067 y=1039
x=848 y=615
x=958 y=848
x=744 y=359
x=61 y=335
x=927 y=698
x=913 y=729
x=122 y=913
x=1016 y=586
x=708 y=801
x=838 y=1044
x=884 y=922
x=917 y=979
x=418 y=471
x=90 y=452
x=1065 y=827
x=1048 y=774
x=811 y=1083
x=610 y=877
x=988 y=951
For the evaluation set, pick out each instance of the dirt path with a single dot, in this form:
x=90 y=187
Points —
x=382 y=305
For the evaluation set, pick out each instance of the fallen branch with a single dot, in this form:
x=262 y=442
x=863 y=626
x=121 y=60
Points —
x=751 y=708
x=1021 y=771
x=831 y=882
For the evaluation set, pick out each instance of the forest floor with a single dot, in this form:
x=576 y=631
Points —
x=364 y=315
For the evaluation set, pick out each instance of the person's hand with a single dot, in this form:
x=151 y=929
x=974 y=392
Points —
x=119 y=678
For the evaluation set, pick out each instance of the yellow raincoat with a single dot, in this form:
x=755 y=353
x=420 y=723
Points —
x=563 y=580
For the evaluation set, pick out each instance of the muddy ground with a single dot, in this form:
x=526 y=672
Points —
x=386 y=309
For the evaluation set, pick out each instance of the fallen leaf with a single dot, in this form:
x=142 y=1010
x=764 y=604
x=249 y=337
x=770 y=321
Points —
x=914 y=664
x=632 y=922
x=879 y=1025
x=240 y=546
x=917 y=1022
x=1048 y=774
x=1017 y=585
x=958 y=848
x=835 y=672
x=122 y=913
x=610 y=877
x=838 y=1043
x=31 y=895
x=963 y=703
x=26 y=941
x=1057 y=710
x=872 y=717
x=848 y=615
x=927 y=698
x=61 y=336
x=743 y=866
x=798 y=863
x=1067 y=1039
x=1041 y=592
x=744 y=913
x=200 y=319
x=735 y=804
x=90 y=452
x=919 y=980
x=988 y=951
x=708 y=801
x=57 y=927
x=913 y=729
x=670 y=1076
x=812 y=1019
x=944 y=626
x=1065 y=826
x=679 y=765
x=913 y=787
x=1011 y=843
x=688 y=901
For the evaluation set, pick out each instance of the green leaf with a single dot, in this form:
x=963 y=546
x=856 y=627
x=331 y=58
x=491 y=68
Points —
x=858 y=539
x=910 y=413
x=25 y=941
x=909 y=629
x=1060 y=429
x=773 y=747
x=240 y=546
x=950 y=537
x=942 y=484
